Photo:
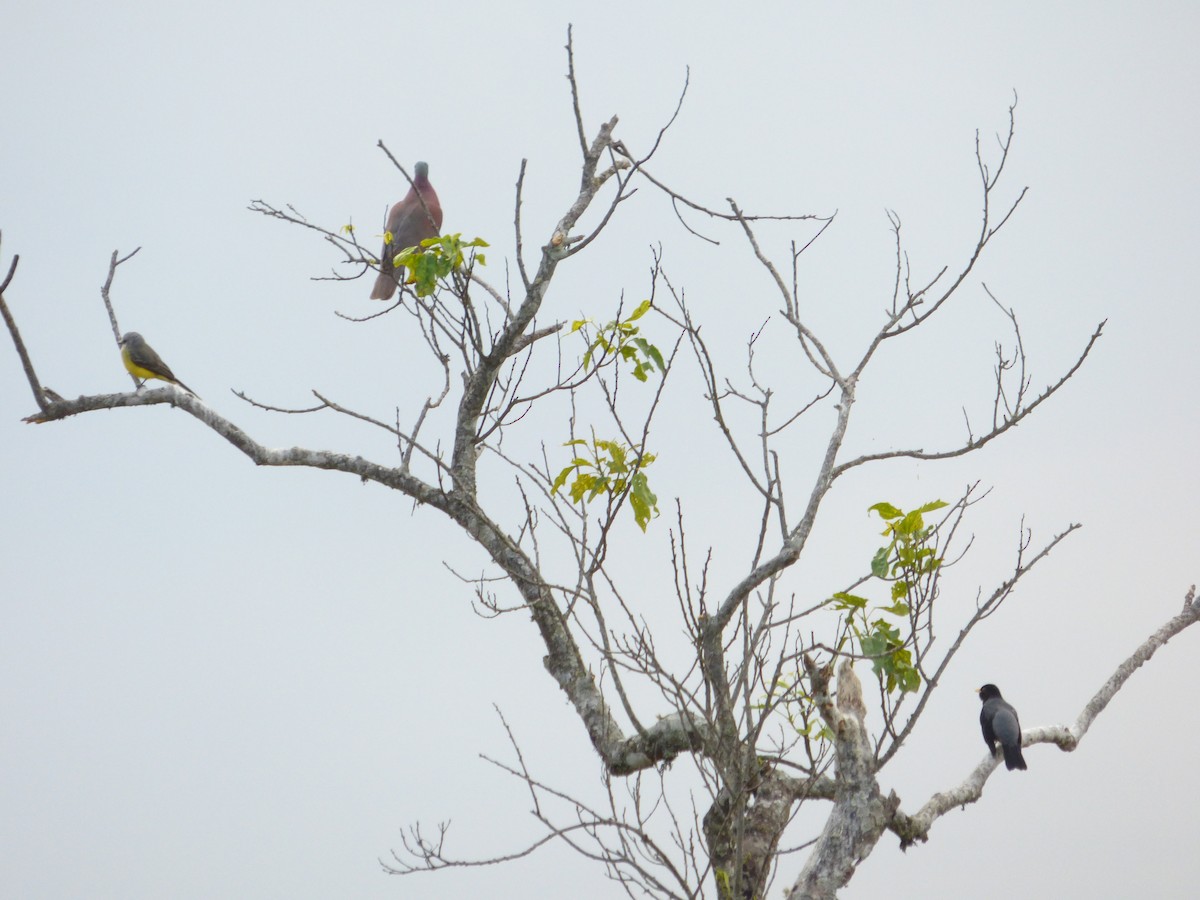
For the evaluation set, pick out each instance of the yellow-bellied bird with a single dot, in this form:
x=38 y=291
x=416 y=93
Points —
x=142 y=362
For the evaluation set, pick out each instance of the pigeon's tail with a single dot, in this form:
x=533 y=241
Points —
x=1013 y=758
x=385 y=285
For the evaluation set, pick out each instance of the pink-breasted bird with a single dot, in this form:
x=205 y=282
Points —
x=409 y=223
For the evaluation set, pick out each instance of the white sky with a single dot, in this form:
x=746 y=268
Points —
x=220 y=681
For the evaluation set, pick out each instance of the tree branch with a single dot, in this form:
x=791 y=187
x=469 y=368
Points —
x=975 y=443
x=911 y=829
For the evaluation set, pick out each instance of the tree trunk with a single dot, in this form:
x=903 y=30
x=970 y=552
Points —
x=860 y=811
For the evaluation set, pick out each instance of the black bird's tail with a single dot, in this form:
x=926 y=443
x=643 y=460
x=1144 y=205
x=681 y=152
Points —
x=1013 y=758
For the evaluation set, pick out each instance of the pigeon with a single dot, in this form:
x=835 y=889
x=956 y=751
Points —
x=408 y=223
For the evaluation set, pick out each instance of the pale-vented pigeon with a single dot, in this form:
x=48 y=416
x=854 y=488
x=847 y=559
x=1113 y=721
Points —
x=409 y=223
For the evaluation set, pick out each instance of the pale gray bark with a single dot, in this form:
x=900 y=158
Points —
x=860 y=813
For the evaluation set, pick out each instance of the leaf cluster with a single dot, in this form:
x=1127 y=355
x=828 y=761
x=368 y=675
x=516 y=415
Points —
x=430 y=263
x=611 y=468
x=623 y=339
x=905 y=559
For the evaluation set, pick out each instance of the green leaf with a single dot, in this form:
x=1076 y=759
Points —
x=641 y=310
x=561 y=479
x=911 y=523
x=600 y=485
x=581 y=486
x=873 y=647
x=888 y=631
x=886 y=510
x=654 y=354
x=642 y=499
x=641 y=512
x=849 y=601
x=879 y=563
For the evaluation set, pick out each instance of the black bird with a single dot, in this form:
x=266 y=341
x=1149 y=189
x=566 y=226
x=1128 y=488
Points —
x=999 y=722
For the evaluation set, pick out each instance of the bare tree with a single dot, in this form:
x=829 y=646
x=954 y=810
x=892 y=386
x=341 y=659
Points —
x=750 y=700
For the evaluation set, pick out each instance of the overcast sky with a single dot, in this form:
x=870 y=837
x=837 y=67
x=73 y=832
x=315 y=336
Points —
x=223 y=681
